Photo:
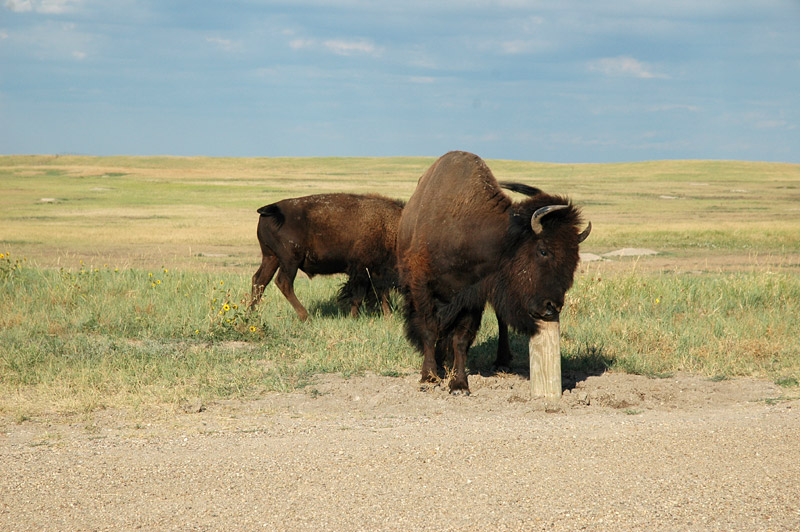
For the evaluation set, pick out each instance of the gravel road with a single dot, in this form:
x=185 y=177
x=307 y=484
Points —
x=619 y=453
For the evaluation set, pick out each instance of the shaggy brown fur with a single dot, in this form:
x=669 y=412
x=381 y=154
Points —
x=461 y=243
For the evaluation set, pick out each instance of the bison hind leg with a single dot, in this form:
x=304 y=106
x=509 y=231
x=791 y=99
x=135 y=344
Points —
x=422 y=337
x=262 y=277
x=285 y=283
x=353 y=292
x=503 y=361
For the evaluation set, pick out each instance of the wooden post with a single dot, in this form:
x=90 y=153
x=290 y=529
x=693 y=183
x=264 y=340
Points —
x=545 y=361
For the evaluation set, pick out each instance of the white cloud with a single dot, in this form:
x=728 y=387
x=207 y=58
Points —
x=673 y=107
x=341 y=47
x=514 y=47
x=299 y=44
x=47 y=7
x=3 y=35
x=54 y=7
x=774 y=124
x=225 y=44
x=624 y=66
x=54 y=40
x=520 y=46
x=19 y=6
x=338 y=46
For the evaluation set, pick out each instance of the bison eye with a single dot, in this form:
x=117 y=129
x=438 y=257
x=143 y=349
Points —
x=543 y=252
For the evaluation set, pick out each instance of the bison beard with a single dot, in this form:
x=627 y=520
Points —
x=462 y=243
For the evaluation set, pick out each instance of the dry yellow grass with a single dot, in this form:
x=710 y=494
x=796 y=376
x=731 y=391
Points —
x=200 y=212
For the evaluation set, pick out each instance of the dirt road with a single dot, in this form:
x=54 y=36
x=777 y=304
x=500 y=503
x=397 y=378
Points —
x=620 y=453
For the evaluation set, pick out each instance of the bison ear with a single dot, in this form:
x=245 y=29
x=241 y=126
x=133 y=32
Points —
x=541 y=212
x=585 y=233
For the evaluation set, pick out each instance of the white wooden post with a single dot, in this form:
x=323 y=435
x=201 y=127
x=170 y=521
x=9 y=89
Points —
x=545 y=361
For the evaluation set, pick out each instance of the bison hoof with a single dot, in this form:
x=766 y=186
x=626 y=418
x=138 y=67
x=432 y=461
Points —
x=460 y=391
x=428 y=377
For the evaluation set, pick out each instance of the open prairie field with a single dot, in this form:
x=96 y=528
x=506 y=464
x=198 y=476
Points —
x=199 y=213
x=136 y=392
x=124 y=259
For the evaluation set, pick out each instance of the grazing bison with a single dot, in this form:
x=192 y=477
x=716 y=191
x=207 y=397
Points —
x=462 y=243
x=325 y=234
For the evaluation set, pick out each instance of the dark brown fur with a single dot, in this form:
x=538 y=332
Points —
x=325 y=234
x=461 y=243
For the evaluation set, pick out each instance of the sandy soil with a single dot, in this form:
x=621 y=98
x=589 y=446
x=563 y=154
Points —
x=620 y=452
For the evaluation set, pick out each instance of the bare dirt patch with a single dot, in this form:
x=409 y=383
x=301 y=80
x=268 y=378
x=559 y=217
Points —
x=621 y=452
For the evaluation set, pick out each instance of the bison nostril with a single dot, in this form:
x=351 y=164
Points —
x=551 y=309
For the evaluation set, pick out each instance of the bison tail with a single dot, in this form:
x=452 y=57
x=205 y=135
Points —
x=520 y=188
x=273 y=211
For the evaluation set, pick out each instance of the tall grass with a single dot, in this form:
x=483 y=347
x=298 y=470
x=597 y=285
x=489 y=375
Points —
x=730 y=324
x=78 y=340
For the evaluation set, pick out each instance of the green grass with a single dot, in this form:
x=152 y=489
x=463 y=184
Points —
x=84 y=325
x=717 y=325
x=74 y=341
x=77 y=340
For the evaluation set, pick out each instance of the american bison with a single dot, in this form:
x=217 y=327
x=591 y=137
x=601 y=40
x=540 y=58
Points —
x=462 y=242
x=329 y=233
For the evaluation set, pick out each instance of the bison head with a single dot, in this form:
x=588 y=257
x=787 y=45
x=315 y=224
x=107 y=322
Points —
x=540 y=259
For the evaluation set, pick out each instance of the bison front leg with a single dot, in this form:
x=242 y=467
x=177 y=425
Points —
x=429 y=371
x=463 y=335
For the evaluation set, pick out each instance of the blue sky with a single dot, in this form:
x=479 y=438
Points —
x=567 y=81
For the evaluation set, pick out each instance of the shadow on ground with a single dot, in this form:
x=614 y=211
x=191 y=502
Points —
x=576 y=367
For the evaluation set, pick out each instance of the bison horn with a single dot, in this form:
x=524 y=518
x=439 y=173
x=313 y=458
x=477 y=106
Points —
x=582 y=236
x=536 y=219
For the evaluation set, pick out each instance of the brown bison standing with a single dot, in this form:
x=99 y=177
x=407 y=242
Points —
x=462 y=242
x=325 y=234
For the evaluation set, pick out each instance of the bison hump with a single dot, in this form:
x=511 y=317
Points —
x=459 y=188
